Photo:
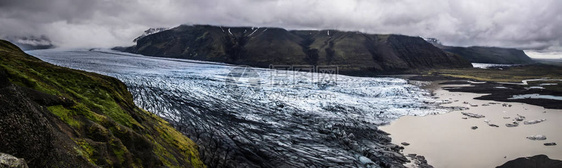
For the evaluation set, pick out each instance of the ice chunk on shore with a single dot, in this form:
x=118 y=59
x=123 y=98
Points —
x=473 y=115
x=537 y=137
x=513 y=124
x=490 y=124
x=519 y=118
x=533 y=121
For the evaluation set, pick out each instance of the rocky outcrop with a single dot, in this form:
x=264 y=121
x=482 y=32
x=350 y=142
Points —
x=419 y=161
x=354 y=53
x=538 y=161
x=58 y=117
x=493 y=55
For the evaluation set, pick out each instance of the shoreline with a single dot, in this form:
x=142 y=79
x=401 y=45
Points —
x=415 y=129
x=502 y=91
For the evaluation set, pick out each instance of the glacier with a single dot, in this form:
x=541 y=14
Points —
x=255 y=122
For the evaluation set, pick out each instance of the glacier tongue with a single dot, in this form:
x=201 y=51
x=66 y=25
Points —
x=242 y=124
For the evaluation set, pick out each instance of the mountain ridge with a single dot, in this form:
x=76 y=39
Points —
x=484 y=54
x=354 y=53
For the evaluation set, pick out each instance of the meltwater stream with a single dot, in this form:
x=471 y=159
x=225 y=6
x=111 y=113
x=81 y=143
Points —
x=244 y=123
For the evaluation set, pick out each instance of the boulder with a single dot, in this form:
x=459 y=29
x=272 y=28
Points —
x=10 y=161
x=550 y=144
x=534 y=121
x=472 y=115
x=513 y=124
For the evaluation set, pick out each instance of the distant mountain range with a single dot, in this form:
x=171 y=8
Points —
x=495 y=55
x=354 y=53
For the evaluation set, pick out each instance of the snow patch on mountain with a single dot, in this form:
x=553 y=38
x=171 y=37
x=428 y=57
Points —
x=149 y=32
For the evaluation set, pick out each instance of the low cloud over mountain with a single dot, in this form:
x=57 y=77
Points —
x=95 y=23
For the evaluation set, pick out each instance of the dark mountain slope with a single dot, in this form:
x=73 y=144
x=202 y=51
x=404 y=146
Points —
x=355 y=53
x=491 y=55
x=494 y=55
x=58 y=117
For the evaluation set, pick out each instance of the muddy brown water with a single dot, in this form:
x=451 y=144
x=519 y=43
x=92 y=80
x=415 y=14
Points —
x=447 y=140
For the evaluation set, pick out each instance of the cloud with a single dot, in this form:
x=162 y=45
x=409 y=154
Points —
x=104 y=23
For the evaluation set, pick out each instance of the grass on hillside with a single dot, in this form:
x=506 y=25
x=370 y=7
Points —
x=514 y=74
x=104 y=101
x=506 y=74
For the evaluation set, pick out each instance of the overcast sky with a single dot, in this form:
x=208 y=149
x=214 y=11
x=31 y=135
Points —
x=524 y=24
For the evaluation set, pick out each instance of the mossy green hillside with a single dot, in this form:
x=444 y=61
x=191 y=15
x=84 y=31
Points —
x=99 y=115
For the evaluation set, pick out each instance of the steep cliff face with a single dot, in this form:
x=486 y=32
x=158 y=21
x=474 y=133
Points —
x=59 y=117
x=355 y=53
x=493 y=55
